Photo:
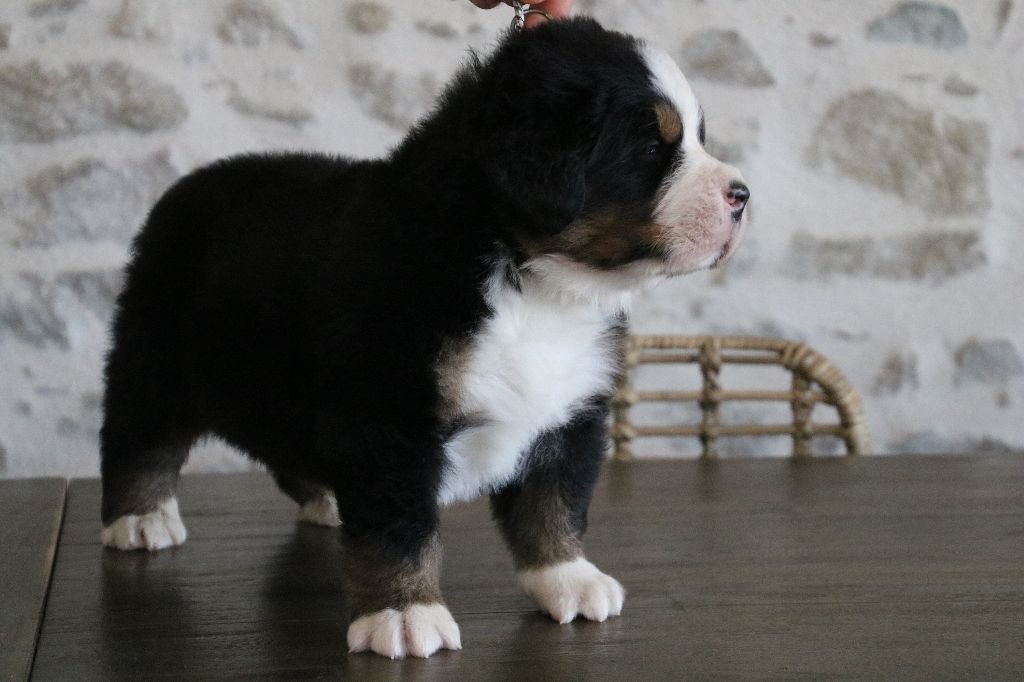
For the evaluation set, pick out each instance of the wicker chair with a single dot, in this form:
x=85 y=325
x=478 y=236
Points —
x=814 y=380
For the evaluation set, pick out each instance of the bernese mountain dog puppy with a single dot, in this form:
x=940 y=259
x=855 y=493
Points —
x=389 y=336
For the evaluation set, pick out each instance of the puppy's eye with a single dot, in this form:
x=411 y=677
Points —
x=650 y=149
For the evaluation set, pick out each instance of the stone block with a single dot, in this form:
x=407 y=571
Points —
x=142 y=20
x=879 y=139
x=955 y=85
x=724 y=56
x=897 y=373
x=921 y=23
x=369 y=17
x=39 y=9
x=929 y=257
x=88 y=200
x=28 y=313
x=253 y=23
x=437 y=28
x=733 y=140
x=934 y=443
x=1003 y=12
x=35 y=310
x=40 y=105
x=96 y=290
x=393 y=98
x=759 y=327
x=823 y=40
x=987 y=361
x=270 y=110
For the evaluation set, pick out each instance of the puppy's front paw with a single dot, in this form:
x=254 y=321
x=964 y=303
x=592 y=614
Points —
x=418 y=630
x=153 y=530
x=574 y=588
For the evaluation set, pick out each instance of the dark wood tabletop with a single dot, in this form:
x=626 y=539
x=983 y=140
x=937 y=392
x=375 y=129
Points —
x=30 y=514
x=862 y=568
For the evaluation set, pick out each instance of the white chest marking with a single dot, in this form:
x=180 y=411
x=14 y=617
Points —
x=532 y=364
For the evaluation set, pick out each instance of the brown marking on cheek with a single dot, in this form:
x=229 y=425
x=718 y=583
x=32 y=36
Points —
x=666 y=235
x=374 y=583
x=610 y=239
x=670 y=125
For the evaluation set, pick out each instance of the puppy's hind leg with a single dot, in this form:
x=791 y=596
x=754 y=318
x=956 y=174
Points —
x=140 y=509
x=316 y=502
x=144 y=442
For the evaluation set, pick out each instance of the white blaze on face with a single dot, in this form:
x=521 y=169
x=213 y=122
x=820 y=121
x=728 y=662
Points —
x=699 y=228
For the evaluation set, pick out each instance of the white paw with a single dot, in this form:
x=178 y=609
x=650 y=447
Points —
x=574 y=588
x=419 y=630
x=154 y=530
x=322 y=511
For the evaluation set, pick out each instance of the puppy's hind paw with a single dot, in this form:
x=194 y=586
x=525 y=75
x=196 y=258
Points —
x=323 y=511
x=418 y=630
x=574 y=588
x=153 y=530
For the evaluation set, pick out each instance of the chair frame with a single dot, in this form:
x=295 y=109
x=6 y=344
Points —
x=814 y=380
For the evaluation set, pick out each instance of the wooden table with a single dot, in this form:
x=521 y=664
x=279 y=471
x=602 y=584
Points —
x=30 y=514
x=875 y=568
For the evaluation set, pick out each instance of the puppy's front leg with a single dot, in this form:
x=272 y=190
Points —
x=396 y=599
x=390 y=547
x=543 y=517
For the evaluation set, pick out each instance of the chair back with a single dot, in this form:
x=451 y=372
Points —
x=814 y=380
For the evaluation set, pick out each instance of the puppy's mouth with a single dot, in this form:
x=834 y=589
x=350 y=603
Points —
x=731 y=244
x=729 y=247
x=723 y=255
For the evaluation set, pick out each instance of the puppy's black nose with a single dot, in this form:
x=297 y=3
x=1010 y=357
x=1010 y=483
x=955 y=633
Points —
x=737 y=195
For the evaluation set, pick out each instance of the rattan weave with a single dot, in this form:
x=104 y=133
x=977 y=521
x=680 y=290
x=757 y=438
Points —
x=814 y=380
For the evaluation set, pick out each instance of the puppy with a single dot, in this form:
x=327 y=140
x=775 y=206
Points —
x=389 y=336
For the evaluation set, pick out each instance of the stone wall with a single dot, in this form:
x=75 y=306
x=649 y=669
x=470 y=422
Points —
x=883 y=140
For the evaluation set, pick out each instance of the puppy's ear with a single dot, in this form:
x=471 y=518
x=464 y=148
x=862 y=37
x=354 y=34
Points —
x=537 y=175
x=535 y=149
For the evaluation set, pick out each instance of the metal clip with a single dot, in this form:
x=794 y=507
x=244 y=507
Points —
x=522 y=11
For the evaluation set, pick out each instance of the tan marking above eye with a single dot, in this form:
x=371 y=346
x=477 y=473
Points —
x=670 y=125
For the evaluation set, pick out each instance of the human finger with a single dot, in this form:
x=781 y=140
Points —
x=557 y=9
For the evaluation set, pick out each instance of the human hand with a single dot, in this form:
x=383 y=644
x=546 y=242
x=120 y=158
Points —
x=556 y=8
